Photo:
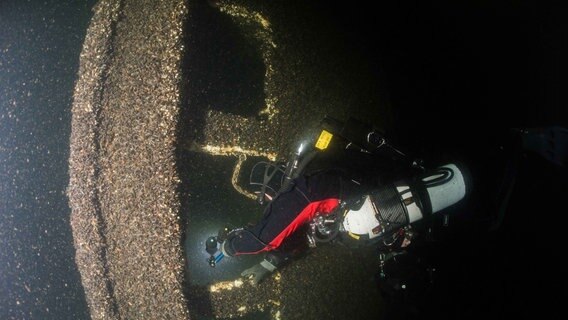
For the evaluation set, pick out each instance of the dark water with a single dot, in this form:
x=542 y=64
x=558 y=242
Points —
x=212 y=203
x=460 y=75
x=457 y=76
x=40 y=42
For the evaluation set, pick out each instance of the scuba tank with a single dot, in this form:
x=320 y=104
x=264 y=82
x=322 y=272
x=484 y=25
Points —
x=384 y=213
x=389 y=210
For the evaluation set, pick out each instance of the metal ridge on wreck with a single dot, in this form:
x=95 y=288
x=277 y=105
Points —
x=123 y=180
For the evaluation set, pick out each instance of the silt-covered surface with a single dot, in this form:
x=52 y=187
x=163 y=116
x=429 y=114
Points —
x=123 y=180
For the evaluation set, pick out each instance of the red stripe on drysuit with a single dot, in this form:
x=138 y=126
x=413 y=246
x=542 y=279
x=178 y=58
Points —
x=322 y=207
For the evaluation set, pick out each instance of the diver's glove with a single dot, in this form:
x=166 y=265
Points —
x=259 y=271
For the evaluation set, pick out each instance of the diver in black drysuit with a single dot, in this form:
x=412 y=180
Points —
x=285 y=217
x=281 y=232
x=329 y=180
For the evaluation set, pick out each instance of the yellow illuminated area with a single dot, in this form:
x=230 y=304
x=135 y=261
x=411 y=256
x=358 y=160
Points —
x=235 y=178
x=226 y=285
x=235 y=150
x=238 y=298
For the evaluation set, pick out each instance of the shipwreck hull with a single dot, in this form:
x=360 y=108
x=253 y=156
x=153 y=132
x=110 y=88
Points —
x=137 y=105
x=123 y=181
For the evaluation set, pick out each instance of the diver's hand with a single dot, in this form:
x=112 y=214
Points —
x=258 y=272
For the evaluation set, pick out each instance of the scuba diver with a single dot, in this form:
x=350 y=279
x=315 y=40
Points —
x=349 y=186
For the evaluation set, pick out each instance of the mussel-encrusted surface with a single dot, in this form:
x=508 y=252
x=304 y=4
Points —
x=123 y=179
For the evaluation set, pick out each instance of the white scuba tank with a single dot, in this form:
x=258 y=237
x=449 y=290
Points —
x=392 y=207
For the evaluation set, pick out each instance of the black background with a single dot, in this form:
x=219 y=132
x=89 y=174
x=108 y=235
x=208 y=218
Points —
x=460 y=75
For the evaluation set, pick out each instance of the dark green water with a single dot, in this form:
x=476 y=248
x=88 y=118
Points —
x=40 y=42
